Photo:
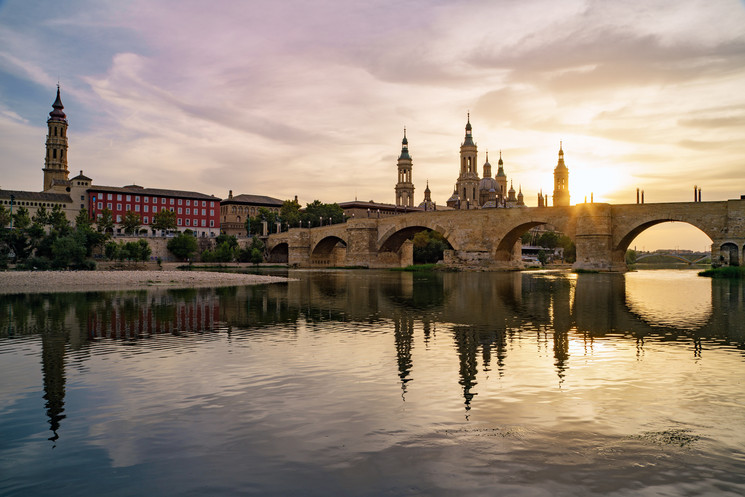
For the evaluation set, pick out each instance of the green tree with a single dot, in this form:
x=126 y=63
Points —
x=631 y=256
x=21 y=219
x=111 y=251
x=83 y=220
x=164 y=220
x=41 y=217
x=131 y=222
x=570 y=250
x=290 y=213
x=68 y=251
x=58 y=221
x=542 y=257
x=548 y=239
x=429 y=247
x=4 y=216
x=315 y=211
x=105 y=221
x=256 y=250
x=182 y=246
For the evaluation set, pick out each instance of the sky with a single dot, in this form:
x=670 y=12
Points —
x=311 y=98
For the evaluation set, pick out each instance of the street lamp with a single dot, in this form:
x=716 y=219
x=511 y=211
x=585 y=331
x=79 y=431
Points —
x=320 y=220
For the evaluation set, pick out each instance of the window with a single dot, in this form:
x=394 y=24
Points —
x=118 y=218
x=147 y=220
x=188 y=210
x=188 y=222
x=129 y=198
x=212 y=223
x=179 y=221
x=155 y=209
x=137 y=207
x=204 y=222
x=137 y=198
x=119 y=206
x=100 y=205
x=196 y=222
x=119 y=196
x=204 y=212
x=110 y=197
x=128 y=207
x=212 y=213
x=188 y=202
x=212 y=204
x=82 y=197
x=172 y=201
x=108 y=206
x=99 y=216
x=147 y=199
x=147 y=207
x=163 y=201
x=204 y=203
x=179 y=201
x=179 y=210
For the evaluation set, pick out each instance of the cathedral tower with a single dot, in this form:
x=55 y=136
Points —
x=501 y=181
x=404 y=187
x=468 y=180
x=561 y=181
x=55 y=163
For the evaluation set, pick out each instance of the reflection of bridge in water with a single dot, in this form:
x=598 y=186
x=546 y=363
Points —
x=483 y=312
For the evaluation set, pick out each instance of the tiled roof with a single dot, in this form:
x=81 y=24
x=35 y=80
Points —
x=138 y=190
x=254 y=199
x=39 y=197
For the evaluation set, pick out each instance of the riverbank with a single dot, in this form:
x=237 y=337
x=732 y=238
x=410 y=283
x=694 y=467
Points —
x=84 y=281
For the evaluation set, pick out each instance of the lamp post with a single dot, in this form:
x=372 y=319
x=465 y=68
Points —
x=320 y=221
x=12 y=199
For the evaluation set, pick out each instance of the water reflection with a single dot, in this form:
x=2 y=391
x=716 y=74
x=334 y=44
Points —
x=486 y=314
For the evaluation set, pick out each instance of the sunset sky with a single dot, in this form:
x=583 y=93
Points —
x=311 y=98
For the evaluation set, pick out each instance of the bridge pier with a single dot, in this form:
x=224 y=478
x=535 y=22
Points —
x=298 y=247
x=594 y=240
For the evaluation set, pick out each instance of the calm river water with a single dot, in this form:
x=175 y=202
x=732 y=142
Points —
x=379 y=383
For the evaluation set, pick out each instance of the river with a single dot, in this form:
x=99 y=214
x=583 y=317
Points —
x=369 y=383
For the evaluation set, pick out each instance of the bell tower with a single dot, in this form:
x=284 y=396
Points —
x=404 y=186
x=55 y=162
x=561 y=181
x=468 y=179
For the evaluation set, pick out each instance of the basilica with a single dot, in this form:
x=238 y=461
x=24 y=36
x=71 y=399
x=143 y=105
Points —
x=471 y=191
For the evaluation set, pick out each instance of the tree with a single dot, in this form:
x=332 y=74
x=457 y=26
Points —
x=4 y=216
x=542 y=257
x=131 y=222
x=41 y=217
x=111 y=251
x=164 y=220
x=105 y=221
x=631 y=256
x=290 y=212
x=316 y=211
x=182 y=246
x=21 y=219
x=58 y=221
x=257 y=251
x=83 y=220
x=429 y=247
x=68 y=250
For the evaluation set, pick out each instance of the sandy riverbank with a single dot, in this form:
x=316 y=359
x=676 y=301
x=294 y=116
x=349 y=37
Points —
x=79 y=281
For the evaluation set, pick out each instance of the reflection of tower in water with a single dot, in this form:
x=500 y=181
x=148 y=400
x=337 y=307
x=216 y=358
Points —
x=53 y=368
x=404 y=336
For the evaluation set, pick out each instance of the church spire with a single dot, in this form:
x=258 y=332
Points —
x=55 y=162
x=469 y=132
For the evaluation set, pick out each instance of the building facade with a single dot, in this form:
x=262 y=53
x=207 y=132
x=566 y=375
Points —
x=195 y=211
x=234 y=211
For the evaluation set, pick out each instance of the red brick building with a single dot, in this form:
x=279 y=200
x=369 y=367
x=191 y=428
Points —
x=195 y=211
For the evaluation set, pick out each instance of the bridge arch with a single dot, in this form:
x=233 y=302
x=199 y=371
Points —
x=329 y=251
x=280 y=253
x=394 y=238
x=508 y=241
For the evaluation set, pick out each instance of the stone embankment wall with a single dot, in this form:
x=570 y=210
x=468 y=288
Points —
x=159 y=246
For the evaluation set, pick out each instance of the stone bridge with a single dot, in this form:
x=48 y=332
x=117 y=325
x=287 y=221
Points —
x=490 y=238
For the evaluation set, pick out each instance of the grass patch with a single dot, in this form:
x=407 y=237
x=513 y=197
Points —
x=724 y=272
x=415 y=268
